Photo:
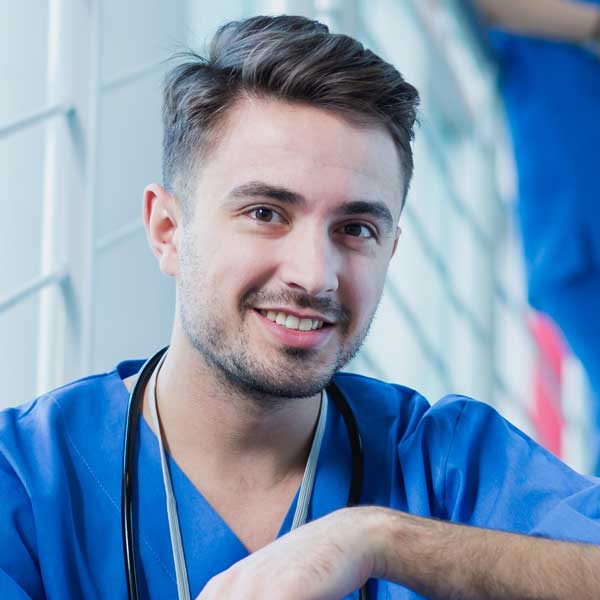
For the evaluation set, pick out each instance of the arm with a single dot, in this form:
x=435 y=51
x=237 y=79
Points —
x=483 y=471
x=443 y=560
x=564 y=20
x=333 y=556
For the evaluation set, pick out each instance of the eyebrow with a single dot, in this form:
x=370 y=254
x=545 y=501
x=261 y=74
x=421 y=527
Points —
x=264 y=190
x=374 y=208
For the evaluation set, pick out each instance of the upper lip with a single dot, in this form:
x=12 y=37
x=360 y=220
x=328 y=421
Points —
x=296 y=313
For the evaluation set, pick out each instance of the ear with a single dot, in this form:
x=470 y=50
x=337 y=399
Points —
x=162 y=219
x=398 y=232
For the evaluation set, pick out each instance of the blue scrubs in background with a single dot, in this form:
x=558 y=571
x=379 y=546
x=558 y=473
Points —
x=551 y=92
x=60 y=485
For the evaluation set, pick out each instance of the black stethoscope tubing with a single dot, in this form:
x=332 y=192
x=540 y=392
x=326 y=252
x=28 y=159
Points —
x=128 y=470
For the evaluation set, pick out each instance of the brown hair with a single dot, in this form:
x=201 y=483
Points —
x=286 y=57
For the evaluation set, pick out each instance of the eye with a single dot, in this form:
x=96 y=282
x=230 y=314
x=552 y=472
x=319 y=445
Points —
x=360 y=230
x=265 y=214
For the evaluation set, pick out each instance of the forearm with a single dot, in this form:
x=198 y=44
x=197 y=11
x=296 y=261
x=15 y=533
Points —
x=565 y=20
x=443 y=560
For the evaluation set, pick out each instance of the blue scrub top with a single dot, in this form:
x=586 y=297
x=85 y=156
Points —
x=551 y=92
x=60 y=482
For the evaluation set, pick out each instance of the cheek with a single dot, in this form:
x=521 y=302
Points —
x=237 y=265
x=362 y=288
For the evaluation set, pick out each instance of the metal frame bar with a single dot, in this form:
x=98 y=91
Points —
x=58 y=276
x=51 y=316
x=37 y=116
x=462 y=210
x=120 y=235
x=428 y=349
x=132 y=76
x=464 y=312
x=87 y=263
x=435 y=258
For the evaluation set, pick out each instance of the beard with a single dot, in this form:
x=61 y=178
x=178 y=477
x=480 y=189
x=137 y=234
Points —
x=292 y=373
x=286 y=372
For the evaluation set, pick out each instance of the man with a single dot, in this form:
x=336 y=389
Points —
x=286 y=162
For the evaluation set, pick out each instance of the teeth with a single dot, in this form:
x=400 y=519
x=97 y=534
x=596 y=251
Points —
x=305 y=325
x=291 y=321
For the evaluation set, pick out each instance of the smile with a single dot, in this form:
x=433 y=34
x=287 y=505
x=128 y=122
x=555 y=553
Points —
x=292 y=321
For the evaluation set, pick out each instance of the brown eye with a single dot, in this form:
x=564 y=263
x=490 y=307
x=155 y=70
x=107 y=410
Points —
x=358 y=230
x=263 y=214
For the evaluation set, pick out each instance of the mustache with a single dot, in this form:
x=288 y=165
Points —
x=328 y=307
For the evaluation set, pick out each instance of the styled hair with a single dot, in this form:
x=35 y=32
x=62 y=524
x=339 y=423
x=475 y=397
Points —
x=291 y=58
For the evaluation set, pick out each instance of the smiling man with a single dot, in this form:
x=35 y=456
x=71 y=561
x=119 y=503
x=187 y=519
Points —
x=284 y=248
x=286 y=163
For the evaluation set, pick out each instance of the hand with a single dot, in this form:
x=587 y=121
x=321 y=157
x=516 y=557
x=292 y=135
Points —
x=594 y=48
x=326 y=559
x=592 y=43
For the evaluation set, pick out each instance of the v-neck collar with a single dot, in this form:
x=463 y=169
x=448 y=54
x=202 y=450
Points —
x=209 y=543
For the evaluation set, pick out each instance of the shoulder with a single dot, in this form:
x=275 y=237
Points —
x=69 y=420
x=391 y=399
x=381 y=397
x=453 y=422
x=374 y=399
x=59 y=456
x=44 y=414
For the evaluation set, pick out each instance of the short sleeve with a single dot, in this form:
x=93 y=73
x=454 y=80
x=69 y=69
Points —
x=498 y=477
x=19 y=572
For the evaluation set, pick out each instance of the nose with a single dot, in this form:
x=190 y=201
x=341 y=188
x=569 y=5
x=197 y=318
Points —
x=310 y=262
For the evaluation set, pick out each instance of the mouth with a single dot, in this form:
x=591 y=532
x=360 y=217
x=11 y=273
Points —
x=293 y=321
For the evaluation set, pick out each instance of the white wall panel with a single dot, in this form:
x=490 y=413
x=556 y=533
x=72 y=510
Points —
x=23 y=52
x=134 y=304
x=129 y=151
x=21 y=176
x=137 y=33
x=18 y=352
x=75 y=181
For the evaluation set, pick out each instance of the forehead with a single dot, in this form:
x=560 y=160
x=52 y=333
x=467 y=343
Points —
x=316 y=152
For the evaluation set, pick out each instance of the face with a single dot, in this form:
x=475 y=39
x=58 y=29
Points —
x=281 y=263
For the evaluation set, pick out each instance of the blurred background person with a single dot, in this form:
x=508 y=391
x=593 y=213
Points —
x=549 y=72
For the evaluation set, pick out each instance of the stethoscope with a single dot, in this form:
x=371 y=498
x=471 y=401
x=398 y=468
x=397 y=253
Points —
x=128 y=472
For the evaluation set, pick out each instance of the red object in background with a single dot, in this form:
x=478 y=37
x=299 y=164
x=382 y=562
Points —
x=546 y=413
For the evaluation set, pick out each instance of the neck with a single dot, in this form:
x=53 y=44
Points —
x=263 y=440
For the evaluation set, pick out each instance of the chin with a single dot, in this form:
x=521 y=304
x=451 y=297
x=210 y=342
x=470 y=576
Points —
x=277 y=380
